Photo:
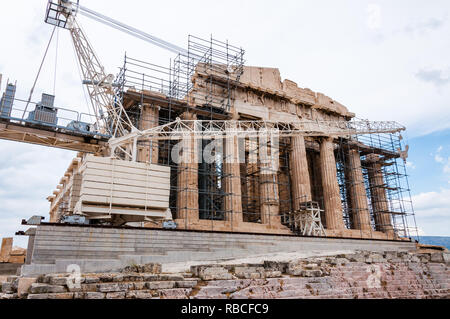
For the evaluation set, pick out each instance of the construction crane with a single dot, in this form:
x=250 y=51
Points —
x=106 y=102
x=110 y=112
x=108 y=109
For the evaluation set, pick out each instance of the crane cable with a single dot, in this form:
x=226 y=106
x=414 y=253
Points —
x=130 y=30
x=39 y=72
x=56 y=63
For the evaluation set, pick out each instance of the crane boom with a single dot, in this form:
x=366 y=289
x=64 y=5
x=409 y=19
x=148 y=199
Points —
x=131 y=30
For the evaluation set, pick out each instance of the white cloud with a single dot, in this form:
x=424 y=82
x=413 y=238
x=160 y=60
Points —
x=447 y=166
x=28 y=175
x=432 y=212
x=373 y=16
x=439 y=159
x=410 y=165
x=432 y=204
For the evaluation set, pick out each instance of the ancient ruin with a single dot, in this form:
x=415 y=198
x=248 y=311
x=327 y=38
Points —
x=208 y=160
x=328 y=183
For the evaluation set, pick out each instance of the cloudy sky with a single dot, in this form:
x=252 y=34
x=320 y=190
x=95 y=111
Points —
x=384 y=60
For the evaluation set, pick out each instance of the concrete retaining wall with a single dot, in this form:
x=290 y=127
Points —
x=107 y=249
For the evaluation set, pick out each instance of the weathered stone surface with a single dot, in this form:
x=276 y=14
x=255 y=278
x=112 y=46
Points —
x=169 y=277
x=24 y=285
x=272 y=274
x=38 y=288
x=276 y=265
x=186 y=284
x=38 y=296
x=106 y=278
x=145 y=294
x=91 y=280
x=116 y=295
x=311 y=273
x=111 y=287
x=387 y=275
x=7 y=288
x=95 y=295
x=58 y=281
x=139 y=285
x=437 y=257
x=249 y=272
x=64 y=295
x=154 y=285
x=211 y=272
x=175 y=293
x=150 y=268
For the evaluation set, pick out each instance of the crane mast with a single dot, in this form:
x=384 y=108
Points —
x=110 y=114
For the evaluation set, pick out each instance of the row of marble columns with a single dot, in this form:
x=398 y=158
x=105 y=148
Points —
x=187 y=179
x=334 y=220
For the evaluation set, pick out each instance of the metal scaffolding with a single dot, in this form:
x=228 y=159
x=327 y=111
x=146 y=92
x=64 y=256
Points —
x=388 y=197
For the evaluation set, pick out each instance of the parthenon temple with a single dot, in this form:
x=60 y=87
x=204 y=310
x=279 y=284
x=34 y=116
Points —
x=324 y=185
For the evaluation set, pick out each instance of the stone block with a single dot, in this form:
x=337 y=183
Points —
x=186 y=284
x=7 y=288
x=8 y=296
x=150 y=268
x=377 y=258
x=272 y=274
x=339 y=261
x=110 y=287
x=276 y=265
x=211 y=273
x=439 y=257
x=38 y=296
x=62 y=296
x=24 y=285
x=311 y=273
x=249 y=272
x=95 y=295
x=5 y=250
x=58 y=281
x=106 y=278
x=11 y=278
x=175 y=293
x=355 y=258
x=87 y=288
x=155 y=285
x=91 y=279
x=116 y=295
x=150 y=278
x=170 y=277
x=140 y=285
x=37 y=288
x=141 y=295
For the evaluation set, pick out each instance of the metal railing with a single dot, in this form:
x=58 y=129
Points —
x=54 y=118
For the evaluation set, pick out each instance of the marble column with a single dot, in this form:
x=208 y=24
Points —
x=187 y=179
x=357 y=192
x=300 y=179
x=331 y=193
x=148 y=149
x=380 y=203
x=268 y=185
x=232 y=180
